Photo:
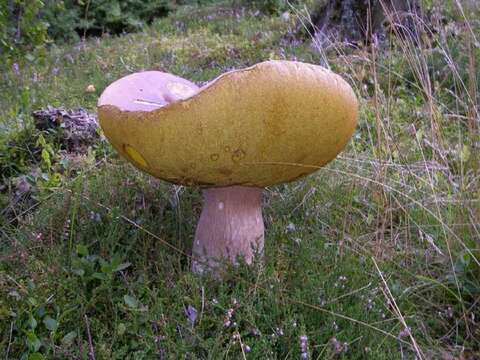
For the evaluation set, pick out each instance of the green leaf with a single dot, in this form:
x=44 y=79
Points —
x=36 y=356
x=31 y=285
x=32 y=301
x=105 y=267
x=131 y=301
x=33 y=342
x=41 y=312
x=79 y=272
x=32 y=322
x=82 y=250
x=30 y=57
x=122 y=266
x=45 y=156
x=465 y=258
x=68 y=339
x=121 y=329
x=99 y=276
x=50 y=323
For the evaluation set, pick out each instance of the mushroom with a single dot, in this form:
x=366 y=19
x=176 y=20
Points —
x=271 y=123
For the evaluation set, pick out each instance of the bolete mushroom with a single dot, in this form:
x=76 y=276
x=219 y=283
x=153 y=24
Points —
x=267 y=124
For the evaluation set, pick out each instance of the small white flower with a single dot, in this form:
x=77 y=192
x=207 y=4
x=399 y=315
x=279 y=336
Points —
x=291 y=227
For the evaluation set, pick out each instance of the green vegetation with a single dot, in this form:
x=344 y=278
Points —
x=69 y=18
x=27 y=25
x=94 y=254
x=31 y=24
x=21 y=27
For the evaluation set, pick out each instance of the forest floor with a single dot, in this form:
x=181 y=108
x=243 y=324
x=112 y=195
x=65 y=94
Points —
x=376 y=256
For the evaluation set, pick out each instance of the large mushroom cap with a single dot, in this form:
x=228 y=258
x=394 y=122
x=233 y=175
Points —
x=251 y=127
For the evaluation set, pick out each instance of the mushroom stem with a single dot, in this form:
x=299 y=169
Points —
x=230 y=226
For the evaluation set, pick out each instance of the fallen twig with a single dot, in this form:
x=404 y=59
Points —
x=91 y=353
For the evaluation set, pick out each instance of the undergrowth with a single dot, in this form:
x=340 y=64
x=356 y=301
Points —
x=376 y=256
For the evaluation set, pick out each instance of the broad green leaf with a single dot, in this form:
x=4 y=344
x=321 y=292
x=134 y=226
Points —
x=50 y=323
x=79 y=272
x=32 y=322
x=99 y=276
x=82 y=250
x=36 y=356
x=122 y=266
x=68 y=339
x=131 y=301
x=33 y=342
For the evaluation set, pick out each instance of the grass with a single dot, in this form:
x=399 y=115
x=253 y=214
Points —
x=375 y=256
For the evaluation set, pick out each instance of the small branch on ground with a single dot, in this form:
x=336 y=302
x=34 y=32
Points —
x=91 y=353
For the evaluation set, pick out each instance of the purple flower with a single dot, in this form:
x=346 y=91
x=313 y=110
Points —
x=16 y=69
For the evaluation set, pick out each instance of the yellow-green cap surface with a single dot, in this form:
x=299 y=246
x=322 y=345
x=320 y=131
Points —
x=251 y=127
